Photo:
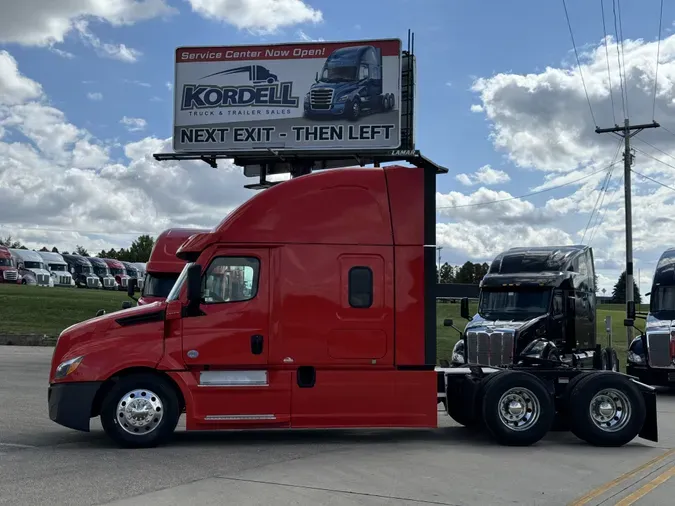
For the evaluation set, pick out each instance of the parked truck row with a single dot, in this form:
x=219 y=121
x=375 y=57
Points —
x=50 y=269
x=317 y=323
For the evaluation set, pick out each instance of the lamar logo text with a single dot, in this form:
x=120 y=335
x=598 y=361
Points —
x=264 y=90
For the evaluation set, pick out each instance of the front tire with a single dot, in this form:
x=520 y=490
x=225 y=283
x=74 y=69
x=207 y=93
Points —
x=140 y=411
x=517 y=409
x=606 y=409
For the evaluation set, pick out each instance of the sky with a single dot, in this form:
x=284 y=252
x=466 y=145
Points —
x=86 y=99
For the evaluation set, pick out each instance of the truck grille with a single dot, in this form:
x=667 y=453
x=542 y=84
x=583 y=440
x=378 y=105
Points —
x=43 y=279
x=108 y=282
x=125 y=282
x=64 y=280
x=489 y=348
x=658 y=346
x=93 y=282
x=10 y=275
x=321 y=98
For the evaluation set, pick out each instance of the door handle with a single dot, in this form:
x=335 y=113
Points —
x=256 y=344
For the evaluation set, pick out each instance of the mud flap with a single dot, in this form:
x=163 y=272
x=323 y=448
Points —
x=650 y=429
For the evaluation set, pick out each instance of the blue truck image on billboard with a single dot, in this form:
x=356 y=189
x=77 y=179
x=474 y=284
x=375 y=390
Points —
x=350 y=85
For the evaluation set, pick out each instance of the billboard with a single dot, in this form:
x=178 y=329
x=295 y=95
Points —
x=305 y=96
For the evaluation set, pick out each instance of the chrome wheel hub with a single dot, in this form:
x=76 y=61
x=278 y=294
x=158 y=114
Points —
x=139 y=411
x=519 y=409
x=610 y=410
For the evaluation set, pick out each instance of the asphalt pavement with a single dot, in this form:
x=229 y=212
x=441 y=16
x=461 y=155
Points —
x=42 y=463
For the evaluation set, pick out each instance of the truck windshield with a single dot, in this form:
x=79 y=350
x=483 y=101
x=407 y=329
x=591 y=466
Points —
x=159 y=285
x=662 y=299
x=514 y=304
x=33 y=265
x=6 y=262
x=338 y=74
x=102 y=271
x=57 y=267
x=175 y=291
x=117 y=272
x=86 y=269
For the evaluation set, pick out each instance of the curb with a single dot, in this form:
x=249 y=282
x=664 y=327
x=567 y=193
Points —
x=26 y=340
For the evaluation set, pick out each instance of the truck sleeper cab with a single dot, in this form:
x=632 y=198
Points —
x=652 y=357
x=102 y=270
x=8 y=271
x=29 y=263
x=164 y=267
x=118 y=271
x=307 y=321
x=350 y=85
x=536 y=302
x=82 y=271
x=58 y=268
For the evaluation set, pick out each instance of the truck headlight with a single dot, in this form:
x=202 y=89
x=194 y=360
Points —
x=635 y=358
x=458 y=352
x=67 y=367
x=343 y=98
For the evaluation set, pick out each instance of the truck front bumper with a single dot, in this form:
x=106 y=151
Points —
x=70 y=403
x=651 y=376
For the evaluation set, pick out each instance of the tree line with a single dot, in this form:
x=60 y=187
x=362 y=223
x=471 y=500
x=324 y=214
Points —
x=139 y=251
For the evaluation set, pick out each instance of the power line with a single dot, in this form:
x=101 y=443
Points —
x=602 y=217
x=652 y=146
x=654 y=158
x=618 y=59
x=656 y=74
x=529 y=194
x=653 y=180
x=603 y=190
x=583 y=82
x=609 y=74
x=623 y=55
x=670 y=132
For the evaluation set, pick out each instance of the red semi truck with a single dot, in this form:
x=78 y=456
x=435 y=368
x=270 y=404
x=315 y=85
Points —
x=313 y=306
x=8 y=271
x=164 y=266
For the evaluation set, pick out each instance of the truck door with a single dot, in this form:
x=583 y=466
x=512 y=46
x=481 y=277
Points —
x=226 y=347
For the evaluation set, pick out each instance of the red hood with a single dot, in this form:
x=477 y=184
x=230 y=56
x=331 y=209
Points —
x=74 y=338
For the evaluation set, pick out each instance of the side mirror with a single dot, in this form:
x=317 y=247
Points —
x=316 y=77
x=194 y=287
x=464 y=308
x=447 y=322
x=630 y=310
x=131 y=287
x=100 y=312
x=648 y=294
x=126 y=304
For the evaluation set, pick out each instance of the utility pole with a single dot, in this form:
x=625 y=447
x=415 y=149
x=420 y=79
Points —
x=627 y=131
x=439 y=248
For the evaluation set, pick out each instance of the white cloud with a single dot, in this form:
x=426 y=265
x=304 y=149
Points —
x=44 y=23
x=62 y=53
x=60 y=187
x=306 y=38
x=113 y=51
x=138 y=83
x=261 y=16
x=15 y=88
x=541 y=122
x=169 y=85
x=95 y=95
x=485 y=175
x=134 y=124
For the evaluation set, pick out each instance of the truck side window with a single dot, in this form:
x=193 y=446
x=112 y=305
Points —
x=360 y=287
x=230 y=279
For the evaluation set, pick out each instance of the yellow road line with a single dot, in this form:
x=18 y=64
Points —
x=597 y=492
x=648 y=487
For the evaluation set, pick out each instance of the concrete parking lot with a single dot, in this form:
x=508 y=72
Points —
x=43 y=463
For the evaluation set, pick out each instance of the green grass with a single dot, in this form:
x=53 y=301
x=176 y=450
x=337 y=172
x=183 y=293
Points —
x=47 y=311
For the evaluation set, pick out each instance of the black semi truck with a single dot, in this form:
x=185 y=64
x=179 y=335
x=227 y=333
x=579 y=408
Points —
x=651 y=355
x=536 y=303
